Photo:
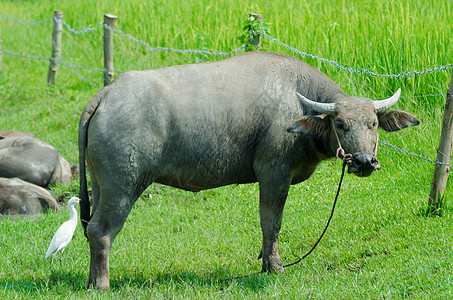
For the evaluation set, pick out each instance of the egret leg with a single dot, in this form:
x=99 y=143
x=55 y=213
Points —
x=61 y=257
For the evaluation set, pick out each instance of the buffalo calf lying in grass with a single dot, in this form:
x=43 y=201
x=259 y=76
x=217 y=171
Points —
x=256 y=117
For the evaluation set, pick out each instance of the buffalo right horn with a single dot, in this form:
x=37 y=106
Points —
x=324 y=108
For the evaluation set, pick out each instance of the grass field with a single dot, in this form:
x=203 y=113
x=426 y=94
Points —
x=177 y=244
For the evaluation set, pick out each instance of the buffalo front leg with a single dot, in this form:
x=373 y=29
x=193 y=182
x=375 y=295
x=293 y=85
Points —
x=272 y=201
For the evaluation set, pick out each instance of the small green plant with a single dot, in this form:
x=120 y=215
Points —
x=436 y=209
x=253 y=27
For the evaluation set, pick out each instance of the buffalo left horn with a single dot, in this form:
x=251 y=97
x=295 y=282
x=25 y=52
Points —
x=324 y=108
x=384 y=104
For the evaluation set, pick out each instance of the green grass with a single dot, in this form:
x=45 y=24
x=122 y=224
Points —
x=177 y=244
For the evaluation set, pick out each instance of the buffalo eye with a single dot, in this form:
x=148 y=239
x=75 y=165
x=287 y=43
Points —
x=372 y=125
x=341 y=125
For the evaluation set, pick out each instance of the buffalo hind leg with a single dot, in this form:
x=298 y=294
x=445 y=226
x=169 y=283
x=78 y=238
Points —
x=272 y=201
x=107 y=221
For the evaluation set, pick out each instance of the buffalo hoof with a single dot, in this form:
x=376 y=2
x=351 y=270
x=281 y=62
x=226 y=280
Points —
x=99 y=285
x=271 y=268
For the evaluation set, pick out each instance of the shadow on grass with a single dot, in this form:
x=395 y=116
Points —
x=214 y=280
x=73 y=281
x=77 y=281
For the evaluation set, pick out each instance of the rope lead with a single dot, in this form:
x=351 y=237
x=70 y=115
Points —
x=345 y=162
x=346 y=159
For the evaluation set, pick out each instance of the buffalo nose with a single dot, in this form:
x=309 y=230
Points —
x=363 y=164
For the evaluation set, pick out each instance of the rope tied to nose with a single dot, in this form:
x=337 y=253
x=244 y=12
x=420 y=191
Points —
x=341 y=153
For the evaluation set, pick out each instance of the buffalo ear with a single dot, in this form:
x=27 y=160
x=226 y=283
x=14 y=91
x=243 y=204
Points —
x=395 y=120
x=313 y=126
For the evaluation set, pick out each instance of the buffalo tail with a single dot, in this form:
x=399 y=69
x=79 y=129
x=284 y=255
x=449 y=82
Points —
x=87 y=114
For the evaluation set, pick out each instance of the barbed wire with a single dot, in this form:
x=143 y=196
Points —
x=361 y=71
x=2 y=16
x=25 y=56
x=85 y=78
x=413 y=154
x=424 y=96
x=85 y=30
x=183 y=51
x=68 y=27
x=58 y=61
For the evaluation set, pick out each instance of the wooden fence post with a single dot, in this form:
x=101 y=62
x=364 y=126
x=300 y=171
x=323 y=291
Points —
x=443 y=155
x=56 y=46
x=1 y=56
x=109 y=24
x=256 y=39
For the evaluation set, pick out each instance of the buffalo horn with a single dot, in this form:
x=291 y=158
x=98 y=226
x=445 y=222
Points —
x=384 y=104
x=324 y=108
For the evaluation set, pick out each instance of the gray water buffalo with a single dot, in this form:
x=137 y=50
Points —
x=18 y=197
x=256 y=117
x=24 y=156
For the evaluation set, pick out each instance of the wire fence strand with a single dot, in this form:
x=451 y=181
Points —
x=424 y=96
x=24 y=56
x=85 y=78
x=167 y=49
x=85 y=30
x=59 y=61
x=414 y=154
x=2 y=16
x=448 y=66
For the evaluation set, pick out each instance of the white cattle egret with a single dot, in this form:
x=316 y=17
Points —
x=64 y=234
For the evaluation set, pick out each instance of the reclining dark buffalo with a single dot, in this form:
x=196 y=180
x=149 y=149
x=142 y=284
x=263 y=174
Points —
x=257 y=117
x=19 y=198
x=24 y=156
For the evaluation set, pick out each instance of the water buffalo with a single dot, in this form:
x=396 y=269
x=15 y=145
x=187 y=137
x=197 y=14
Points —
x=256 y=117
x=18 y=197
x=24 y=156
